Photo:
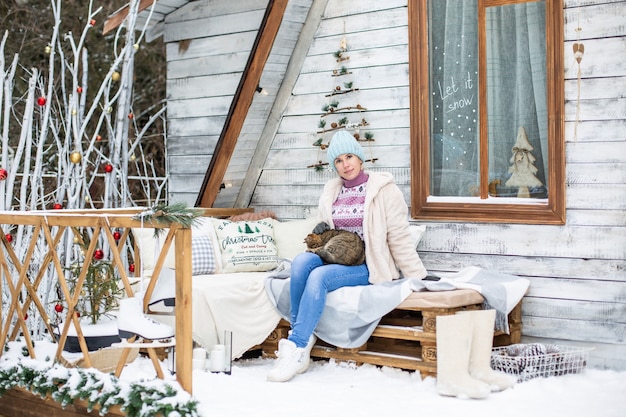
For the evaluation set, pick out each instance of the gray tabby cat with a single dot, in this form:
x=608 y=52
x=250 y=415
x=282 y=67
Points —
x=337 y=247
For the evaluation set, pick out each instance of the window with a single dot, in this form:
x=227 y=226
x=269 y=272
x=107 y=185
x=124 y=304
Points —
x=487 y=110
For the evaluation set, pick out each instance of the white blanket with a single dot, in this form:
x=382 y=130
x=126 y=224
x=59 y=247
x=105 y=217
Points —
x=352 y=313
x=236 y=302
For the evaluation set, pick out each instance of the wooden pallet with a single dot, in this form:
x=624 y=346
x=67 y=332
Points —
x=406 y=338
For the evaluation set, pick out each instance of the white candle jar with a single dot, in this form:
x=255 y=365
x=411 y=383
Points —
x=217 y=362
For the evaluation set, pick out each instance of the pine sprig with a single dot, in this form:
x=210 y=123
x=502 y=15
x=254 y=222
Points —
x=164 y=215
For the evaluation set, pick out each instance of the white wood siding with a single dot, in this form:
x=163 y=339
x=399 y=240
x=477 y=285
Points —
x=577 y=271
x=207 y=45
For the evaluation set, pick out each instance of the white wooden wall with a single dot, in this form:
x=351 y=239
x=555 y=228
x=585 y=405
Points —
x=577 y=271
x=377 y=38
x=208 y=44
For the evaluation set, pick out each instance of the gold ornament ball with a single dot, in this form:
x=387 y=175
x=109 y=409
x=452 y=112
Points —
x=76 y=157
x=47 y=49
x=132 y=157
x=136 y=46
x=115 y=76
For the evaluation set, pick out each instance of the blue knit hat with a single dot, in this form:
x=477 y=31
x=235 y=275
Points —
x=341 y=143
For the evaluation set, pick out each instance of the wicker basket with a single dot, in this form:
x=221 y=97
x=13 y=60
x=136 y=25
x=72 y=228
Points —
x=528 y=361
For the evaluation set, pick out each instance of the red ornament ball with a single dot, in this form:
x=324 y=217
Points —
x=98 y=254
x=131 y=116
x=131 y=267
x=57 y=206
x=41 y=101
x=9 y=237
x=79 y=89
x=108 y=168
x=98 y=138
x=58 y=308
x=117 y=235
x=3 y=174
x=92 y=22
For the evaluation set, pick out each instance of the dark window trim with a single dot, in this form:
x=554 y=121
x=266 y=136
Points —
x=552 y=212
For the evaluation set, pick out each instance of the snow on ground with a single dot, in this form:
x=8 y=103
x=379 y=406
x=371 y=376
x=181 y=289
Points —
x=332 y=389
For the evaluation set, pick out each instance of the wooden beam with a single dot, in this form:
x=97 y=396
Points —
x=298 y=55
x=241 y=102
x=118 y=17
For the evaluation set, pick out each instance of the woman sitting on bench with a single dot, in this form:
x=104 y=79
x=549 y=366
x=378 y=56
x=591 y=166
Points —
x=369 y=204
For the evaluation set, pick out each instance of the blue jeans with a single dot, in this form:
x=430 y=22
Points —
x=311 y=281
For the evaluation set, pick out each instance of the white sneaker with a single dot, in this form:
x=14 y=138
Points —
x=291 y=360
x=307 y=353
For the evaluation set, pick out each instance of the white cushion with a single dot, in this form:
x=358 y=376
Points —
x=290 y=236
x=150 y=247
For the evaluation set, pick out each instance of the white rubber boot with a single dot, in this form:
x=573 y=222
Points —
x=483 y=323
x=131 y=321
x=454 y=344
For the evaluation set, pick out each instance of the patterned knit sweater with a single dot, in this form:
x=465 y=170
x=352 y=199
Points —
x=349 y=206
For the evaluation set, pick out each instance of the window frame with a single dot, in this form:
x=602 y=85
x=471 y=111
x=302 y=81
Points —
x=484 y=209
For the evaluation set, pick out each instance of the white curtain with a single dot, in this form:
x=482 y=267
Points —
x=453 y=59
x=516 y=63
x=516 y=80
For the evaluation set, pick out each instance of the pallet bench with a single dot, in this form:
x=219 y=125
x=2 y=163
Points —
x=406 y=338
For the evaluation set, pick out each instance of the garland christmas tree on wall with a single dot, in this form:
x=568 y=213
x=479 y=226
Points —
x=337 y=115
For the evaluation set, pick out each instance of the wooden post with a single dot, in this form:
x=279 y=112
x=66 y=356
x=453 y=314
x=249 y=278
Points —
x=184 y=341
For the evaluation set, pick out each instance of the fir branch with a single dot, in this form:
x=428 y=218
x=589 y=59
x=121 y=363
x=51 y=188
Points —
x=164 y=215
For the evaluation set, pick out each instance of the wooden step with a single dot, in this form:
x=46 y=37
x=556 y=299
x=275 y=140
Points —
x=375 y=358
x=405 y=333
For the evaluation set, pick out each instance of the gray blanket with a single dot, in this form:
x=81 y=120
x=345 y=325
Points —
x=352 y=313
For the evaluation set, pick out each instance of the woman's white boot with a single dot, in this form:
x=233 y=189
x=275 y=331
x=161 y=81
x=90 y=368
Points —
x=454 y=347
x=483 y=323
x=131 y=321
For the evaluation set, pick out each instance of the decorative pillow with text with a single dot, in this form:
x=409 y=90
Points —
x=246 y=246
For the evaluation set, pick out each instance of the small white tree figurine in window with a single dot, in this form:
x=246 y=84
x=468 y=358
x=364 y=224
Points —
x=522 y=169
